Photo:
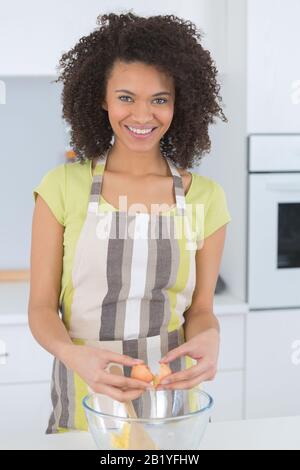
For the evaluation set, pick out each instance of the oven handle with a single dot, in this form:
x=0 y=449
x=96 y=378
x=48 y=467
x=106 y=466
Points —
x=283 y=187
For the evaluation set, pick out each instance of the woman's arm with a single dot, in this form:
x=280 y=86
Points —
x=201 y=327
x=45 y=278
x=46 y=325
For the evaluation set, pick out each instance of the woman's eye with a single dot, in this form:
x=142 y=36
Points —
x=162 y=99
x=123 y=96
x=157 y=99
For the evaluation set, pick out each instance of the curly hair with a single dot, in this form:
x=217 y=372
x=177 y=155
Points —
x=167 y=42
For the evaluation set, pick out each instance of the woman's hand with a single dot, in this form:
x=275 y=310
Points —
x=204 y=348
x=90 y=364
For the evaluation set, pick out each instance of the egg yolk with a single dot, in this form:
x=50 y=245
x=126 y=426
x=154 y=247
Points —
x=164 y=370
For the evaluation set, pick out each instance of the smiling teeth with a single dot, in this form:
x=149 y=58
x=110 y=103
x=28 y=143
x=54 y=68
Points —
x=140 y=131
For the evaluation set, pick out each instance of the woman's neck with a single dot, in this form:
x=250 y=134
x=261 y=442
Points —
x=136 y=165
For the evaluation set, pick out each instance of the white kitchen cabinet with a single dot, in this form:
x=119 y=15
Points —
x=25 y=373
x=24 y=408
x=25 y=367
x=232 y=342
x=273 y=363
x=273 y=101
x=227 y=389
x=227 y=392
x=26 y=360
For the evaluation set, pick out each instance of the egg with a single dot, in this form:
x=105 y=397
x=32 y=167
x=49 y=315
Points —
x=143 y=372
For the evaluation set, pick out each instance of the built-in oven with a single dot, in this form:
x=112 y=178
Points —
x=273 y=255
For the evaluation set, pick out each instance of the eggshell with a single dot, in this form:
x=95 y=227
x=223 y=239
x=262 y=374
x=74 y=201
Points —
x=141 y=372
x=164 y=370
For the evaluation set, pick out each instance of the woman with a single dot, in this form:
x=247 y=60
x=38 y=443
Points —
x=132 y=285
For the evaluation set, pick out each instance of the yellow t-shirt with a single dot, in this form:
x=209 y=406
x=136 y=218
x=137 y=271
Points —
x=66 y=190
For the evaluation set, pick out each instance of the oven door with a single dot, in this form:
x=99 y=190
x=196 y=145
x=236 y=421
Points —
x=273 y=279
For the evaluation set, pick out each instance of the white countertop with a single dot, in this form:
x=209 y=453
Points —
x=14 y=298
x=264 y=434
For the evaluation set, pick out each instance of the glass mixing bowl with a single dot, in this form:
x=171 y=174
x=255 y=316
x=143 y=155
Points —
x=164 y=419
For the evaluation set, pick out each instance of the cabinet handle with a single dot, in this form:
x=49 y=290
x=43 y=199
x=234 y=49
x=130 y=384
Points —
x=4 y=355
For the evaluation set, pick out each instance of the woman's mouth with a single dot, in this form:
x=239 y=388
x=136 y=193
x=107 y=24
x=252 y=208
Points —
x=141 y=135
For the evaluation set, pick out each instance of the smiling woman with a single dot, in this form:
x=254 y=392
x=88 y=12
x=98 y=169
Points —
x=131 y=288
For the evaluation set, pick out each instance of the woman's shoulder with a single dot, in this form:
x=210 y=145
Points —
x=75 y=169
x=76 y=165
x=64 y=173
x=202 y=188
x=64 y=183
x=210 y=196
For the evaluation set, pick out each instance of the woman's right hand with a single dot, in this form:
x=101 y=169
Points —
x=90 y=364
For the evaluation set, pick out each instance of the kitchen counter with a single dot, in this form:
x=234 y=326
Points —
x=265 y=434
x=14 y=298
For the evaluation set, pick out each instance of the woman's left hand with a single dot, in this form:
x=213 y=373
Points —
x=204 y=348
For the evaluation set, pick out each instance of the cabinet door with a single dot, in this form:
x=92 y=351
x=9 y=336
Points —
x=227 y=393
x=27 y=361
x=273 y=364
x=273 y=68
x=24 y=408
x=232 y=342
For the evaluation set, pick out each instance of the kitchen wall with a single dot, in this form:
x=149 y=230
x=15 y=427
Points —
x=33 y=138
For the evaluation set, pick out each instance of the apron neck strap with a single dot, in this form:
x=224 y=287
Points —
x=97 y=185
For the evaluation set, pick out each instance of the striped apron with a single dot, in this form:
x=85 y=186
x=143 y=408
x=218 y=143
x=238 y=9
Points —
x=124 y=267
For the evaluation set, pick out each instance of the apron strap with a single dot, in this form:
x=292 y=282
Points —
x=97 y=186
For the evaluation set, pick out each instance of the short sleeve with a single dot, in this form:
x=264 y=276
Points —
x=52 y=189
x=217 y=213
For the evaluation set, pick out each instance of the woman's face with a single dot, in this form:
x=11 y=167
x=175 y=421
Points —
x=147 y=103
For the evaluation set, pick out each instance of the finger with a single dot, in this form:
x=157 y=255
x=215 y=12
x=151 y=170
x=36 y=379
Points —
x=187 y=374
x=175 y=353
x=186 y=384
x=130 y=395
x=124 y=382
x=122 y=359
x=117 y=394
x=116 y=371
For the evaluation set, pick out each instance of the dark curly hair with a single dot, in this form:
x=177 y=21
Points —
x=167 y=42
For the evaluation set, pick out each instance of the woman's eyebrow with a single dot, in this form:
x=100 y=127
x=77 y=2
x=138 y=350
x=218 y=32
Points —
x=155 y=94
